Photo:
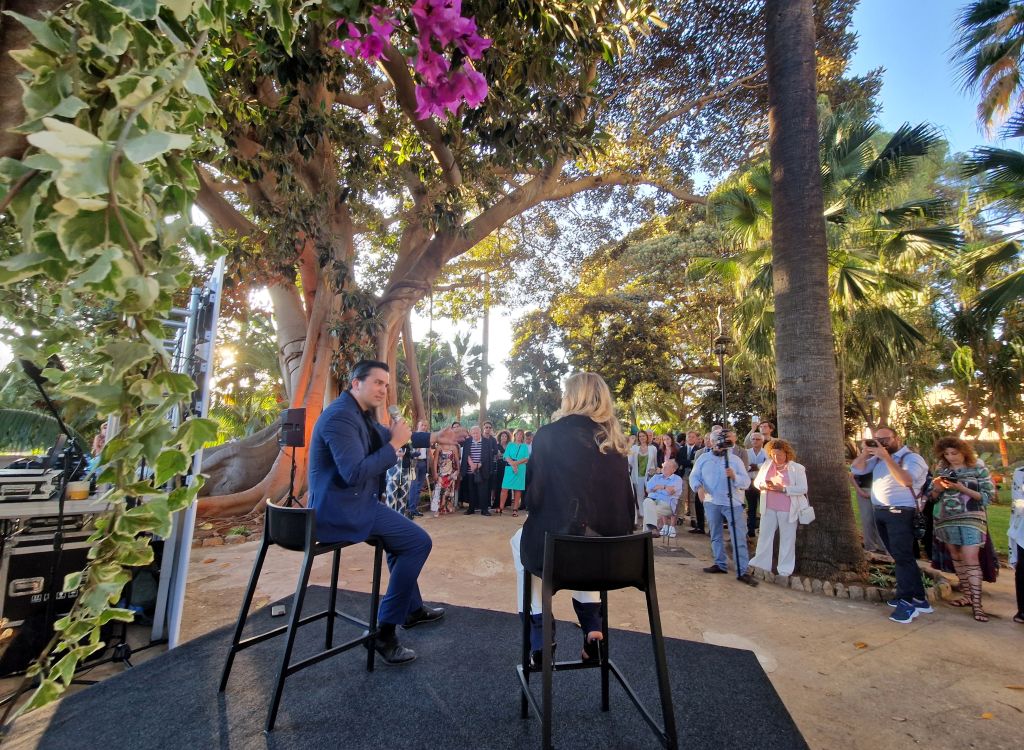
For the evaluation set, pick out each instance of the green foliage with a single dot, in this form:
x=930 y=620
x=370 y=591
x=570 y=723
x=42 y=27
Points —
x=880 y=231
x=101 y=205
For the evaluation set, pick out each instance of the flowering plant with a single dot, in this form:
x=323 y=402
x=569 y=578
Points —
x=442 y=35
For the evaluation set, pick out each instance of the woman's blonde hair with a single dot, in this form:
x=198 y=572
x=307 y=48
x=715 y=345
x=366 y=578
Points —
x=587 y=394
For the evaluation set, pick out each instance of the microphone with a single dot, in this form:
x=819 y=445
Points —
x=394 y=413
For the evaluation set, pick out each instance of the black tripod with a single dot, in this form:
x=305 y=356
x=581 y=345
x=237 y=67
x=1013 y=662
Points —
x=721 y=346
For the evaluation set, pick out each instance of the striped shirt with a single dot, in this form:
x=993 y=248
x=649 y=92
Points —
x=474 y=450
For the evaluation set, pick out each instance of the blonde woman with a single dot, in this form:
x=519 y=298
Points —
x=783 y=485
x=580 y=485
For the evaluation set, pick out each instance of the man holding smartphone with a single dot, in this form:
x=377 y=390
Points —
x=897 y=476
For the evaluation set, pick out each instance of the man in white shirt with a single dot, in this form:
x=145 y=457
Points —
x=663 y=491
x=897 y=476
x=719 y=482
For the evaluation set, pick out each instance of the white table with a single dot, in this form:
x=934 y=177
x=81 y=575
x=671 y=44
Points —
x=43 y=508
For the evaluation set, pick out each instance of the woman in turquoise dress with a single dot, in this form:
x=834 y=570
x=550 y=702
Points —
x=962 y=488
x=517 y=453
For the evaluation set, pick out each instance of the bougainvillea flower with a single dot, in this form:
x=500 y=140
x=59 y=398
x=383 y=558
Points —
x=382 y=21
x=431 y=66
x=474 y=88
x=429 y=102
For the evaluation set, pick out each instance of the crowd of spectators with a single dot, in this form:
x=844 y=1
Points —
x=757 y=491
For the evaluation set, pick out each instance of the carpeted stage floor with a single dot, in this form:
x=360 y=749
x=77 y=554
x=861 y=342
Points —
x=461 y=693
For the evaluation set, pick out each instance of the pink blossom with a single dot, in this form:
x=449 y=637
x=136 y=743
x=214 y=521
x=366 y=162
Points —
x=475 y=88
x=351 y=47
x=382 y=21
x=431 y=66
x=429 y=103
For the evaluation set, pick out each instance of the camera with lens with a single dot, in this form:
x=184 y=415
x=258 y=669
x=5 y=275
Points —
x=721 y=442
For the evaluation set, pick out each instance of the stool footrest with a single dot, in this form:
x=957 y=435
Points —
x=326 y=654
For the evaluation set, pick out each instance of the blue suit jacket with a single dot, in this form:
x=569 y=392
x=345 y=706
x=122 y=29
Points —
x=344 y=477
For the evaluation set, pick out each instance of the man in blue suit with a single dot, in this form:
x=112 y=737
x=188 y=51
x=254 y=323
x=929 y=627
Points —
x=348 y=455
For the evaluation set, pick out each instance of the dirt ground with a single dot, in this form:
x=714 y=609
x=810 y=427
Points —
x=849 y=677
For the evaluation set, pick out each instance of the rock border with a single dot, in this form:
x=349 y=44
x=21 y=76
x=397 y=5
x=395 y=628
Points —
x=854 y=592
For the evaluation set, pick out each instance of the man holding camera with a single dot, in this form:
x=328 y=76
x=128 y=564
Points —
x=897 y=478
x=719 y=485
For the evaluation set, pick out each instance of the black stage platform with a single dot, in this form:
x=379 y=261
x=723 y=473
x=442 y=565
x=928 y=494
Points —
x=461 y=693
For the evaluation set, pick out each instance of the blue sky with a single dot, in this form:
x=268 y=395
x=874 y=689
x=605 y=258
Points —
x=912 y=39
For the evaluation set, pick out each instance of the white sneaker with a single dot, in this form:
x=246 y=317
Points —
x=671 y=532
x=664 y=530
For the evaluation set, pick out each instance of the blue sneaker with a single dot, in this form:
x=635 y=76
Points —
x=922 y=606
x=905 y=612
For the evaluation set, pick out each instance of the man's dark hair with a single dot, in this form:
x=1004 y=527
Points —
x=765 y=421
x=361 y=370
x=488 y=424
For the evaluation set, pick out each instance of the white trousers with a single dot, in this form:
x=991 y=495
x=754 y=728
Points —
x=583 y=597
x=640 y=487
x=653 y=510
x=770 y=521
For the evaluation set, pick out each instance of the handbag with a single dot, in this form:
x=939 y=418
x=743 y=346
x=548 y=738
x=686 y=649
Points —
x=806 y=515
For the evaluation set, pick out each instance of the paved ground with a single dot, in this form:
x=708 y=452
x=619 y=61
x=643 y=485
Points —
x=849 y=676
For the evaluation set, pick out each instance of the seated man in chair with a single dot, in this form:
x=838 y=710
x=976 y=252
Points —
x=349 y=454
x=663 y=492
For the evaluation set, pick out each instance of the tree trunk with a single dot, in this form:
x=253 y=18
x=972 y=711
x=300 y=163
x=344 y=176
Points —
x=412 y=365
x=809 y=411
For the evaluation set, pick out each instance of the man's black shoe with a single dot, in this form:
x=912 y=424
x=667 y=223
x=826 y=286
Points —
x=417 y=514
x=696 y=531
x=714 y=569
x=469 y=512
x=747 y=579
x=485 y=513
x=423 y=615
x=392 y=652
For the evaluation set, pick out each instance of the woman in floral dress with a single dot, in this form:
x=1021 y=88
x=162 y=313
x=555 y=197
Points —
x=444 y=470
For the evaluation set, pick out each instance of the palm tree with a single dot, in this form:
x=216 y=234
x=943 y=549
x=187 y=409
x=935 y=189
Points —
x=808 y=384
x=444 y=374
x=877 y=236
x=989 y=50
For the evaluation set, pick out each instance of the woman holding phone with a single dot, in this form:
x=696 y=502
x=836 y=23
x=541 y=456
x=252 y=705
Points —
x=962 y=488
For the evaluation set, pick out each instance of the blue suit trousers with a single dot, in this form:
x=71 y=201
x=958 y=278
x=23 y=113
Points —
x=407 y=546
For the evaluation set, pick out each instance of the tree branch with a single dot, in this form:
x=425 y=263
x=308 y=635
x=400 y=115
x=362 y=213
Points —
x=219 y=211
x=572 y=187
x=393 y=64
x=699 y=102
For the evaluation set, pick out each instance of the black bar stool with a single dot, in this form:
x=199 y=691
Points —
x=295 y=529
x=595 y=564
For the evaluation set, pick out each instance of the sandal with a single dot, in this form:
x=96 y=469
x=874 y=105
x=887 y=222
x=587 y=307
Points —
x=515 y=514
x=980 y=616
x=963 y=601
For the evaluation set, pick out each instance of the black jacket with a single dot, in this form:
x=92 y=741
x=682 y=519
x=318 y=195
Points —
x=488 y=451
x=575 y=489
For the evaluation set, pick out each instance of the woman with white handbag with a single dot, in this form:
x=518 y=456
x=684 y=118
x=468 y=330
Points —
x=783 y=485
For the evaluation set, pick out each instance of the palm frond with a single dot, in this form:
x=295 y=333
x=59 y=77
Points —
x=911 y=246
x=977 y=262
x=895 y=162
x=990 y=303
x=22 y=430
x=905 y=214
